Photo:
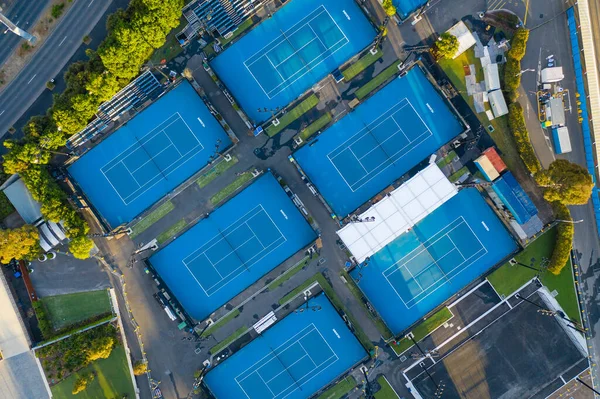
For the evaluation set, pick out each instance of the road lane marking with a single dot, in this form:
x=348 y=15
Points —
x=33 y=77
x=90 y=4
x=2 y=112
x=62 y=41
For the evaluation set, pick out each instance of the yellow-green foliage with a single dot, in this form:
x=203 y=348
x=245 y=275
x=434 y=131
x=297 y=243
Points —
x=516 y=124
x=564 y=238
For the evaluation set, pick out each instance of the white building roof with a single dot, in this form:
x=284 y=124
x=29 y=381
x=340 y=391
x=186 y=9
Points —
x=498 y=103
x=557 y=110
x=20 y=197
x=491 y=76
x=13 y=338
x=466 y=40
x=551 y=75
x=397 y=212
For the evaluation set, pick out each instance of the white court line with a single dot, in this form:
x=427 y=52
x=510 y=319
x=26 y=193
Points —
x=150 y=160
x=463 y=266
x=132 y=176
x=358 y=160
x=290 y=56
x=317 y=37
x=173 y=144
x=229 y=254
x=281 y=39
x=413 y=277
x=267 y=385
x=285 y=367
x=127 y=200
x=250 y=262
x=310 y=64
x=392 y=157
x=275 y=68
x=297 y=384
x=213 y=266
x=307 y=354
x=255 y=235
x=455 y=246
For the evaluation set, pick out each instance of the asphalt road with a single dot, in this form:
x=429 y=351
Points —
x=22 y=13
x=49 y=60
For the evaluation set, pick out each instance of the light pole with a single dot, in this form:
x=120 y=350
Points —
x=16 y=30
x=569 y=221
x=525 y=70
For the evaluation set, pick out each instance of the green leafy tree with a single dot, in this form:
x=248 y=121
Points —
x=446 y=46
x=516 y=125
x=519 y=44
x=100 y=348
x=81 y=383
x=81 y=246
x=564 y=238
x=20 y=243
x=389 y=8
x=140 y=367
x=566 y=182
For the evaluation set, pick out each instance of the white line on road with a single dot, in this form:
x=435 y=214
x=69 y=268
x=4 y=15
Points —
x=90 y=3
x=62 y=41
x=2 y=112
x=33 y=77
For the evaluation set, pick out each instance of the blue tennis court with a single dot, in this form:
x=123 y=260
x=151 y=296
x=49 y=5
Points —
x=405 y=7
x=433 y=261
x=293 y=359
x=378 y=142
x=231 y=249
x=285 y=55
x=150 y=155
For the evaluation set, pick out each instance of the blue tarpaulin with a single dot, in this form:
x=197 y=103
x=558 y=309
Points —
x=585 y=126
x=514 y=198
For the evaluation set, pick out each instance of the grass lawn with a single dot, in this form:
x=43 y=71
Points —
x=65 y=310
x=383 y=329
x=151 y=218
x=289 y=273
x=225 y=343
x=221 y=322
x=501 y=135
x=386 y=391
x=447 y=159
x=340 y=389
x=216 y=171
x=424 y=329
x=171 y=231
x=458 y=174
x=315 y=126
x=231 y=188
x=244 y=26
x=293 y=114
x=6 y=207
x=337 y=303
x=377 y=80
x=361 y=64
x=112 y=379
x=508 y=278
x=171 y=48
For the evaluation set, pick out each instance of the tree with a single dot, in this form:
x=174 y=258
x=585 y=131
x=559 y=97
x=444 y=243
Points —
x=389 y=8
x=566 y=182
x=140 y=367
x=21 y=243
x=81 y=246
x=100 y=348
x=519 y=44
x=82 y=382
x=446 y=46
x=564 y=239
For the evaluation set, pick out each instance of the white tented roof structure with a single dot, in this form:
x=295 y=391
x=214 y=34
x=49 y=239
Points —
x=397 y=212
x=498 y=103
x=492 y=77
x=466 y=40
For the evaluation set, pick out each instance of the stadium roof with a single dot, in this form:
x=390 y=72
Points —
x=397 y=212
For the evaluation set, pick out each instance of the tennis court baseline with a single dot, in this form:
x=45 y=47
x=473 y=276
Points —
x=434 y=262
x=292 y=54
x=234 y=250
x=151 y=158
x=379 y=144
x=288 y=367
x=294 y=358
